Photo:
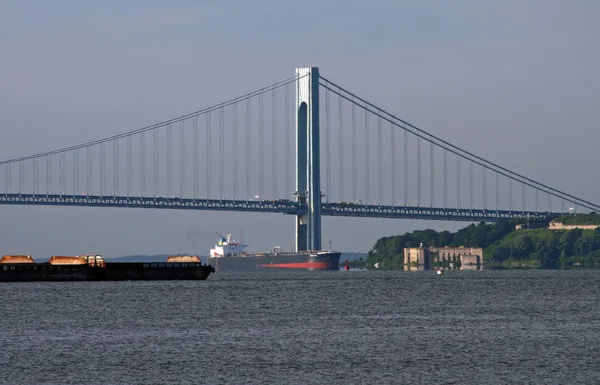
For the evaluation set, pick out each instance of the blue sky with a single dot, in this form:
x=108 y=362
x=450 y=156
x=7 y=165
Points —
x=516 y=81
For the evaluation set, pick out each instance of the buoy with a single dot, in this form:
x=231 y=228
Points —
x=440 y=272
x=346 y=266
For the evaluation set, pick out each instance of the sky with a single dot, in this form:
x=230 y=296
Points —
x=514 y=81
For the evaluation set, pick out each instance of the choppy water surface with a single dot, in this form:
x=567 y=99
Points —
x=307 y=328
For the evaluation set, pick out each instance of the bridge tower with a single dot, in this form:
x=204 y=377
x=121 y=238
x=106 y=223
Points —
x=308 y=175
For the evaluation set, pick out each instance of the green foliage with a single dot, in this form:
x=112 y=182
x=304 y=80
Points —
x=552 y=248
x=389 y=251
x=502 y=244
x=579 y=219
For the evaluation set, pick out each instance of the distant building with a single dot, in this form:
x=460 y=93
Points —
x=553 y=225
x=529 y=226
x=465 y=257
x=419 y=256
x=560 y=226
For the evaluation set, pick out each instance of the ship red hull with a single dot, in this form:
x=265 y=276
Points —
x=299 y=265
x=279 y=261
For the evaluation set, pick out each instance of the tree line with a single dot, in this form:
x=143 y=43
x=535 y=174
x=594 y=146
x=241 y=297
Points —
x=502 y=244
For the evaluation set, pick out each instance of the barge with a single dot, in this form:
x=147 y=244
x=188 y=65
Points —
x=23 y=268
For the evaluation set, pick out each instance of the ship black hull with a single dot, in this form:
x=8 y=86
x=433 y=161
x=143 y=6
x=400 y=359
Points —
x=268 y=262
x=111 y=272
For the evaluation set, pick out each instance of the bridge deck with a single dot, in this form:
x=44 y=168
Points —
x=275 y=206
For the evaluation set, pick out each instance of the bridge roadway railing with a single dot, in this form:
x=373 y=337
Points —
x=285 y=207
x=432 y=213
x=271 y=206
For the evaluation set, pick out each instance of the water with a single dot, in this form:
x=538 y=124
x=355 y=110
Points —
x=468 y=327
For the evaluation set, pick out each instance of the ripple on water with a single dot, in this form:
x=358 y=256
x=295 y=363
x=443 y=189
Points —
x=306 y=327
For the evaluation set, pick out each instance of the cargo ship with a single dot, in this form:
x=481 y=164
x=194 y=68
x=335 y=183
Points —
x=229 y=255
x=23 y=268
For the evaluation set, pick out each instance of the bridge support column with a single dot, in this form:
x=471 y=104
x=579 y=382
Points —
x=308 y=175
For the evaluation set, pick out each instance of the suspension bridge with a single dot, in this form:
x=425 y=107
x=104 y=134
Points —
x=303 y=146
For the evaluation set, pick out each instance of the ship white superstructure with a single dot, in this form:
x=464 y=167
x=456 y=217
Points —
x=227 y=246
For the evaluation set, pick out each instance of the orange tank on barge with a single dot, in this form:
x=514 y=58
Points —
x=23 y=268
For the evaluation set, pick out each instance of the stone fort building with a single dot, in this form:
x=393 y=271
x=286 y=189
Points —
x=465 y=257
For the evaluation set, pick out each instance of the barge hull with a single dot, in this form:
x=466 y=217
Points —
x=115 y=271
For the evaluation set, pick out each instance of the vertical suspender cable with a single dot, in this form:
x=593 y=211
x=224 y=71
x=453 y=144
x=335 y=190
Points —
x=35 y=174
x=143 y=163
x=418 y=172
x=49 y=165
x=155 y=162
x=510 y=194
x=287 y=141
x=328 y=146
x=354 y=171
x=195 y=152
x=393 y=155
x=61 y=172
x=9 y=176
x=234 y=118
x=248 y=194
x=274 y=139
x=20 y=178
x=379 y=158
x=101 y=169
x=497 y=191
x=405 y=168
x=445 y=178
x=89 y=170
x=208 y=157
x=341 y=144
x=431 y=174
x=104 y=169
x=221 y=152
x=115 y=167
x=458 y=181
x=484 y=176
x=182 y=158
x=130 y=162
x=19 y=173
x=367 y=171
x=471 y=183
x=261 y=149
x=169 y=161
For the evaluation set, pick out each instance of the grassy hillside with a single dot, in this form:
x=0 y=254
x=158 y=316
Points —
x=502 y=245
x=550 y=248
x=579 y=219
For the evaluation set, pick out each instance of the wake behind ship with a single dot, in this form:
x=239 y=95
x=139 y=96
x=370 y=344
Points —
x=229 y=255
